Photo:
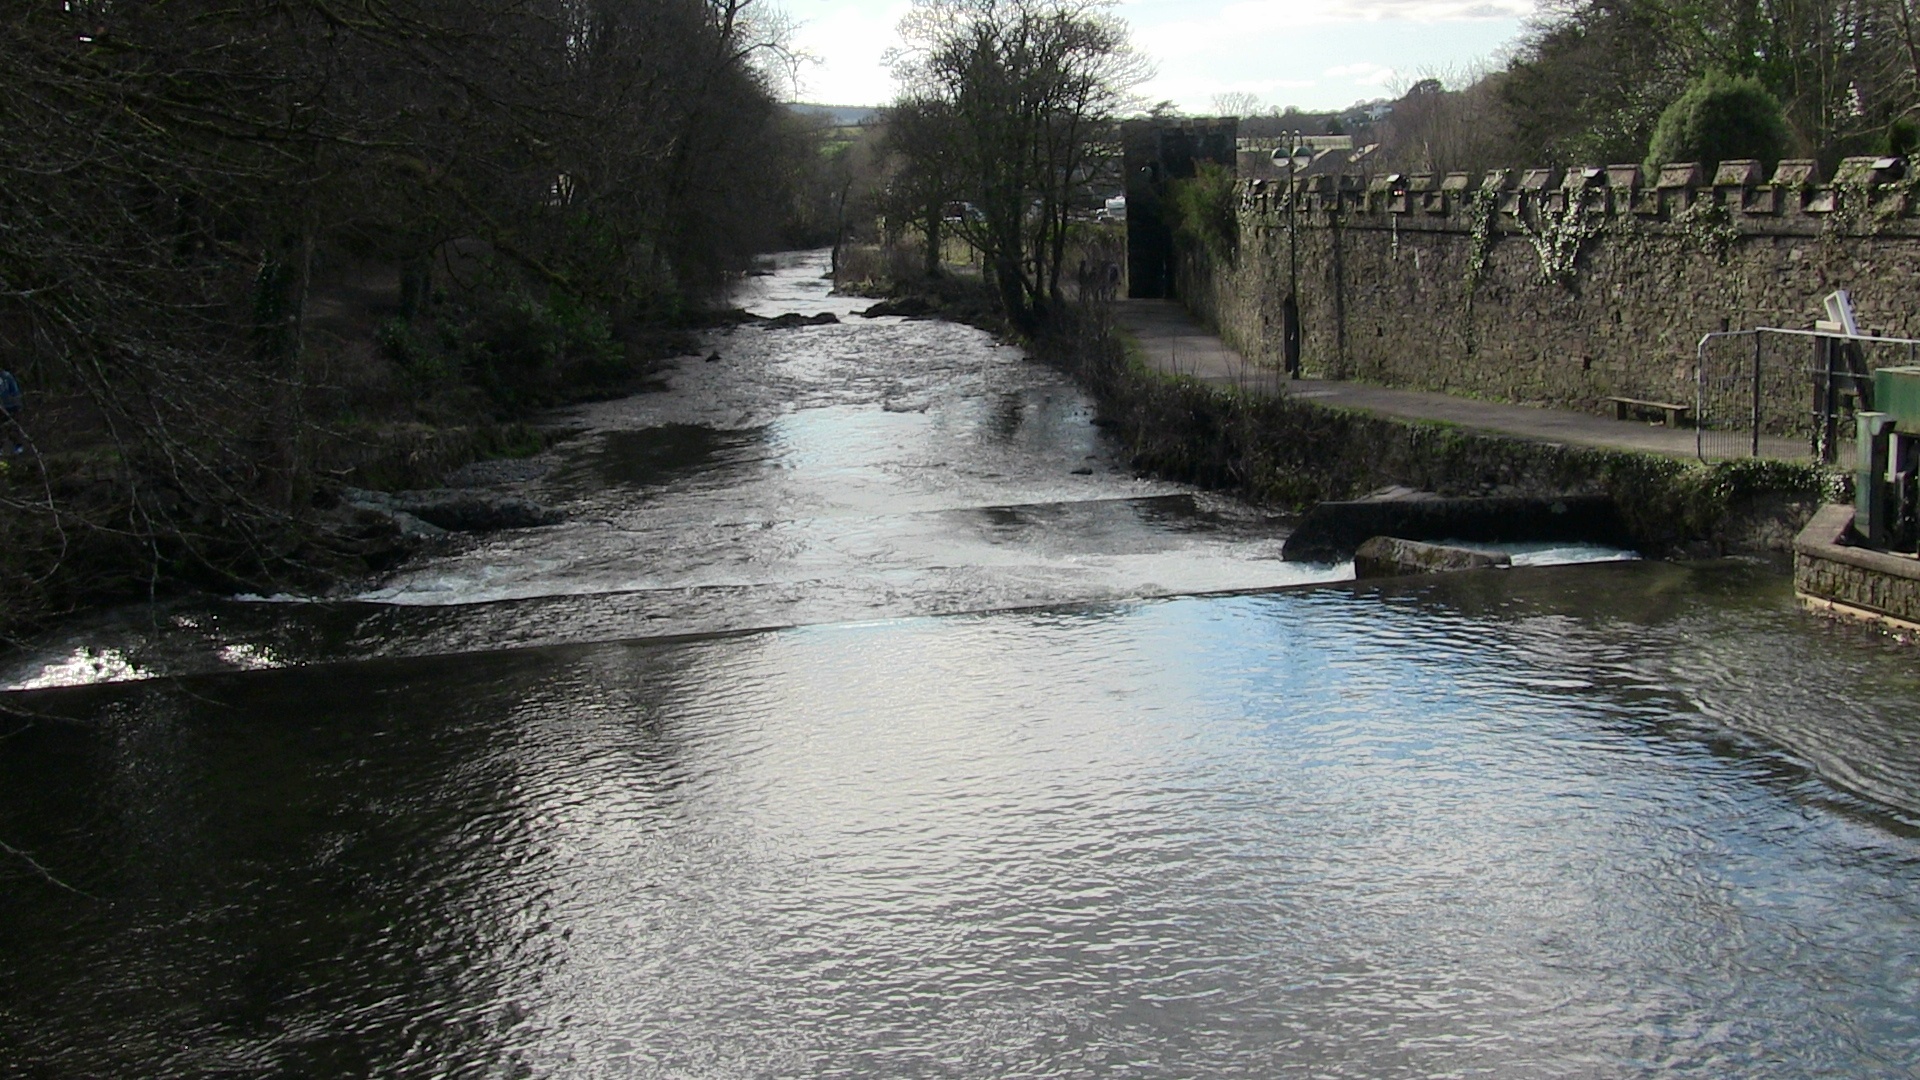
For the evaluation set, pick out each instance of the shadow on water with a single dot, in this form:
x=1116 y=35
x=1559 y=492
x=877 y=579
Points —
x=656 y=456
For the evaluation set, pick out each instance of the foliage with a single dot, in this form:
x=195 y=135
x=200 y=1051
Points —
x=1719 y=118
x=197 y=196
x=1591 y=77
x=1903 y=137
x=1710 y=224
x=1482 y=207
x=1204 y=210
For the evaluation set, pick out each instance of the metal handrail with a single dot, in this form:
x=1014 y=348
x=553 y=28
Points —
x=1700 y=373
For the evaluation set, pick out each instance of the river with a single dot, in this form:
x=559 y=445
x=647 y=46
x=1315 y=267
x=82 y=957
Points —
x=867 y=717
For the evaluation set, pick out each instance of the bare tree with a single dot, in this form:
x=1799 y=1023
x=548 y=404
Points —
x=173 y=178
x=1236 y=103
x=1027 y=88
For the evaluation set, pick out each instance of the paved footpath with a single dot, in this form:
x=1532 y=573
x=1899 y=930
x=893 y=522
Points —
x=1175 y=343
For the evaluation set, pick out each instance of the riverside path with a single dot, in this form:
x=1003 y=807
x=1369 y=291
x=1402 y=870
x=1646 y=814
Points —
x=1172 y=341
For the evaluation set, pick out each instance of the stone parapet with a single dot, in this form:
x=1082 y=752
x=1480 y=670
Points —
x=1867 y=195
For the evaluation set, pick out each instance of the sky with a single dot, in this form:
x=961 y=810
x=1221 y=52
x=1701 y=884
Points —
x=1316 y=54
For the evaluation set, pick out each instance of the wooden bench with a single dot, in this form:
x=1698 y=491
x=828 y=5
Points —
x=1673 y=411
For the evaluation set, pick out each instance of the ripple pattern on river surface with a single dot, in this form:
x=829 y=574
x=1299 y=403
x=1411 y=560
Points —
x=1435 y=828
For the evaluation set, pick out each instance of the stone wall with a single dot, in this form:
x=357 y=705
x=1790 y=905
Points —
x=1440 y=283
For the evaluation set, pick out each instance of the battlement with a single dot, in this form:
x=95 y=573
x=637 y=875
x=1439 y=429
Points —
x=1866 y=195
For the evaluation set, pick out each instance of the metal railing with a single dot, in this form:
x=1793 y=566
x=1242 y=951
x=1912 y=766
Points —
x=1745 y=403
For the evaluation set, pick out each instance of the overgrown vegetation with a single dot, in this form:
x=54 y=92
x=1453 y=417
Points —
x=1204 y=210
x=254 y=247
x=1591 y=80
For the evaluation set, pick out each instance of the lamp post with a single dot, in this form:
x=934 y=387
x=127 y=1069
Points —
x=1295 y=157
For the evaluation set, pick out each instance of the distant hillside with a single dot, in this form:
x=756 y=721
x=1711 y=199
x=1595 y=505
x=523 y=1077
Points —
x=840 y=114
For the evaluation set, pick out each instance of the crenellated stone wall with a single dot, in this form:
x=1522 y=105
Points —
x=1563 y=287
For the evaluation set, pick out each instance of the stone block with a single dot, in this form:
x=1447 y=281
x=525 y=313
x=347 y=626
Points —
x=1386 y=556
x=1868 y=171
x=1738 y=173
x=1540 y=180
x=1399 y=201
x=1760 y=201
x=1590 y=176
x=1797 y=172
x=1624 y=176
x=1680 y=174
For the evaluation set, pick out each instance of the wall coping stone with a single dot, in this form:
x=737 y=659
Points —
x=1624 y=176
x=1540 y=179
x=1790 y=203
x=1803 y=172
x=1680 y=174
x=1868 y=171
x=1588 y=176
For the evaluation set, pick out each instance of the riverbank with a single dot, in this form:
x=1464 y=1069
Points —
x=1248 y=434
x=87 y=522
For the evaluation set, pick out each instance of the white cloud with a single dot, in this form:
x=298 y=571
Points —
x=1323 y=54
x=849 y=41
x=1193 y=21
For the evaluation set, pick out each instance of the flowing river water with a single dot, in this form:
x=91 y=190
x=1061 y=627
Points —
x=866 y=717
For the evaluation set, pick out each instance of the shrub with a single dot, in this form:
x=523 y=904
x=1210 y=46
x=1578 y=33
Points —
x=1719 y=118
x=1204 y=210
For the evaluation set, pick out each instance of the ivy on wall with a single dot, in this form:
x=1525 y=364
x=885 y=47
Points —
x=1709 y=224
x=1557 y=237
x=1481 y=208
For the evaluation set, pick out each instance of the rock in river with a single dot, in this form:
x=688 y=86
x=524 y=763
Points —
x=457 y=510
x=1387 y=556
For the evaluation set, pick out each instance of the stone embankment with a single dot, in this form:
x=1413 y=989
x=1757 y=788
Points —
x=1388 y=556
x=1831 y=574
x=1210 y=418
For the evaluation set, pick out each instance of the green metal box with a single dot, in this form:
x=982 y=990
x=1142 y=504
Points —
x=1896 y=392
